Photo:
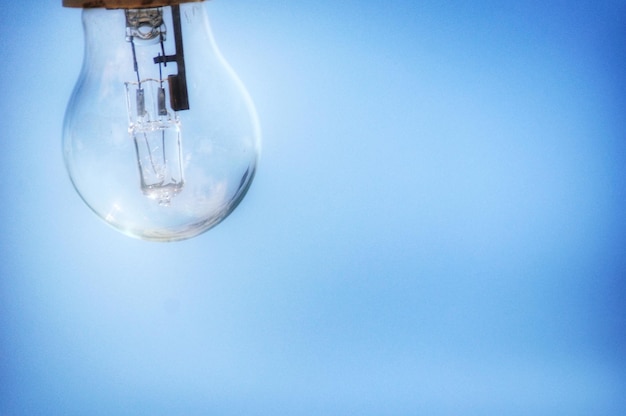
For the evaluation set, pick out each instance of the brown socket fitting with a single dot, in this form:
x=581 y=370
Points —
x=123 y=4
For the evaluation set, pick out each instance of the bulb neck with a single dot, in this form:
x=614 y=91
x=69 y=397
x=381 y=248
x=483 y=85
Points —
x=123 y=4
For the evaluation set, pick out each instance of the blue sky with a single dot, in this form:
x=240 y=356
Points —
x=436 y=226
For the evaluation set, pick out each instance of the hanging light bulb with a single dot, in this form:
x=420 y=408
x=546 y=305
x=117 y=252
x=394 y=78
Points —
x=160 y=137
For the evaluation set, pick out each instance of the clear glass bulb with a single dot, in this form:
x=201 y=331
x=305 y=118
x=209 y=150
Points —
x=161 y=139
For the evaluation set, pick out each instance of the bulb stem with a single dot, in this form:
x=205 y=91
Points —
x=179 y=95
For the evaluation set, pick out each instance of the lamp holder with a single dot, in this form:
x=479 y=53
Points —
x=123 y=4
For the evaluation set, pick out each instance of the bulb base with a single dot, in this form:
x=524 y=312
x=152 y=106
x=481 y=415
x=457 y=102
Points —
x=123 y=4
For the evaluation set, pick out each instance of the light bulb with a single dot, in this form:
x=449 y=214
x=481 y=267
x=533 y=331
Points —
x=160 y=138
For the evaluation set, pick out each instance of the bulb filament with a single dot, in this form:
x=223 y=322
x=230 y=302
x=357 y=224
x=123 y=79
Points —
x=155 y=129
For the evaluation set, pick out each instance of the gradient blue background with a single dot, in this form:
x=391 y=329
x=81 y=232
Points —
x=437 y=227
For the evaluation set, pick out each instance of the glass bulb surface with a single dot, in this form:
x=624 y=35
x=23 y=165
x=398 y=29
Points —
x=161 y=139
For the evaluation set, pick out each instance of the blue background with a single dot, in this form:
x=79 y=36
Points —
x=437 y=226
